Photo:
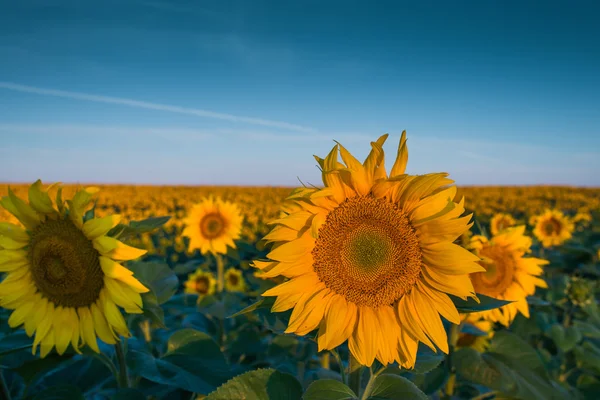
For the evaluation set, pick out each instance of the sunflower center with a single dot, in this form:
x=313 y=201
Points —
x=212 y=225
x=552 y=226
x=368 y=252
x=233 y=279
x=499 y=273
x=64 y=264
x=466 y=340
x=202 y=285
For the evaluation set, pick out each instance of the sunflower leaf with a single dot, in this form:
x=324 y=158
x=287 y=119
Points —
x=261 y=384
x=470 y=305
x=264 y=302
x=60 y=393
x=328 y=389
x=123 y=231
x=389 y=386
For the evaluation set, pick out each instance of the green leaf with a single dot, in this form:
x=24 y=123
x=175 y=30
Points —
x=427 y=360
x=509 y=344
x=193 y=362
x=536 y=301
x=328 y=389
x=128 y=394
x=395 y=387
x=123 y=231
x=34 y=369
x=60 y=393
x=588 y=330
x=564 y=338
x=260 y=384
x=158 y=277
x=470 y=305
x=152 y=310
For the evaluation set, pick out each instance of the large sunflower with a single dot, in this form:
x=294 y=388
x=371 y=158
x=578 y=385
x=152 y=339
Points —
x=508 y=274
x=553 y=228
x=501 y=221
x=212 y=225
x=64 y=281
x=370 y=258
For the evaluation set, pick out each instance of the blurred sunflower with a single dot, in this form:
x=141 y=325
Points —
x=212 y=225
x=200 y=282
x=500 y=222
x=581 y=291
x=508 y=274
x=370 y=258
x=234 y=280
x=64 y=281
x=553 y=228
x=475 y=322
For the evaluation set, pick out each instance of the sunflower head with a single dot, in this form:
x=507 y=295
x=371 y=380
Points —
x=234 y=280
x=508 y=275
x=370 y=257
x=501 y=221
x=212 y=225
x=580 y=291
x=200 y=282
x=476 y=332
x=553 y=228
x=64 y=280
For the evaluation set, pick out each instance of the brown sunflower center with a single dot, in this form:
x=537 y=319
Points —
x=466 y=340
x=552 y=226
x=368 y=252
x=202 y=285
x=499 y=273
x=233 y=279
x=212 y=225
x=64 y=264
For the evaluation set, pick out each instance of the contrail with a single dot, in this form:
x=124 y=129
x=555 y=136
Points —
x=152 y=106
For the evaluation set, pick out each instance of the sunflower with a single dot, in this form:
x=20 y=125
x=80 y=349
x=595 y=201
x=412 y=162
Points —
x=64 y=281
x=508 y=274
x=212 y=225
x=553 y=228
x=200 y=282
x=234 y=280
x=500 y=222
x=370 y=258
x=475 y=321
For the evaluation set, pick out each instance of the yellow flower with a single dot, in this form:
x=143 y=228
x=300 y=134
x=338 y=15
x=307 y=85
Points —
x=500 y=222
x=508 y=274
x=212 y=225
x=64 y=280
x=553 y=228
x=200 y=282
x=370 y=258
x=479 y=343
x=234 y=280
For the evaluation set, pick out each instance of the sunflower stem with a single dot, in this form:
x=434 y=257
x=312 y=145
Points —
x=454 y=334
x=338 y=359
x=123 y=378
x=370 y=384
x=220 y=273
x=325 y=360
x=5 y=393
x=354 y=372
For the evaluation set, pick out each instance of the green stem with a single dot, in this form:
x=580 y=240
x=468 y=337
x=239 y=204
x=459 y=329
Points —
x=369 y=386
x=4 y=392
x=220 y=273
x=325 y=360
x=123 y=378
x=354 y=371
x=338 y=359
x=454 y=334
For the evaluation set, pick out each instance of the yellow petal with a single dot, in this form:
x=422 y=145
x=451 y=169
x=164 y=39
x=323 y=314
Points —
x=14 y=232
x=114 y=316
x=118 y=295
x=101 y=325
x=97 y=227
x=87 y=328
x=39 y=199
x=21 y=210
x=401 y=159
x=47 y=343
x=20 y=314
x=11 y=244
x=63 y=329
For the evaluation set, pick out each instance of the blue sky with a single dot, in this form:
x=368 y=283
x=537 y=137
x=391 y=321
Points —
x=244 y=93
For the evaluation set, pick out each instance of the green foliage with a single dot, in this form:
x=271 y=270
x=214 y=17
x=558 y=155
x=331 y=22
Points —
x=261 y=384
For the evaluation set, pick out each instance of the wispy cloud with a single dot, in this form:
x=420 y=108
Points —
x=153 y=106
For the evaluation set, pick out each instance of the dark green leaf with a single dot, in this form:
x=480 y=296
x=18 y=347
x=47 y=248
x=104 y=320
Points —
x=123 y=231
x=328 y=389
x=261 y=384
x=152 y=310
x=264 y=302
x=470 y=305
x=587 y=329
x=128 y=394
x=427 y=360
x=60 y=393
x=395 y=387
x=536 y=301
x=158 y=277
x=193 y=362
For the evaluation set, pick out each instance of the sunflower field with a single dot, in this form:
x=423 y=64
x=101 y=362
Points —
x=375 y=285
